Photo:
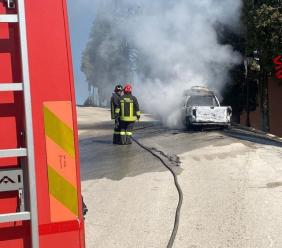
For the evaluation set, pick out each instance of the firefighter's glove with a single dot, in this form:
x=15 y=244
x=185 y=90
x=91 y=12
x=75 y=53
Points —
x=138 y=117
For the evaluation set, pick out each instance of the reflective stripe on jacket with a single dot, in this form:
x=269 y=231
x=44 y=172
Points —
x=128 y=109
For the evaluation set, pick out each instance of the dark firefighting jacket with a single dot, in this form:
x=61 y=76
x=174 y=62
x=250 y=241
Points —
x=128 y=109
x=114 y=104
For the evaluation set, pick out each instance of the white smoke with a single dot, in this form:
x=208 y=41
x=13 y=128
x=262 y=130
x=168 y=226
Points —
x=178 y=38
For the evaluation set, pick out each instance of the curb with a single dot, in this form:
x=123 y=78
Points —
x=259 y=132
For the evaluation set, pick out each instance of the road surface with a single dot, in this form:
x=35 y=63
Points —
x=231 y=183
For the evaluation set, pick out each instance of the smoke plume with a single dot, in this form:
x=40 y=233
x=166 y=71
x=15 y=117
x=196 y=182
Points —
x=169 y=46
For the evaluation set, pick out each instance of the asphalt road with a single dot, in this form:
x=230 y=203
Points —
x=231 y=182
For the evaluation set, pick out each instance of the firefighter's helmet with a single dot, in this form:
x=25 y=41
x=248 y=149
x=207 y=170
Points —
x=127 y=88
x=118 y=88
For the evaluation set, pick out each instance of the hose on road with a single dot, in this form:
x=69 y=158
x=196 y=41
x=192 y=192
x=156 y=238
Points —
x=180 y=193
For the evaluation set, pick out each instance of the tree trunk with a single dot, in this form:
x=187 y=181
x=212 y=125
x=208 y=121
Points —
x=264 y=103
x=248 y=124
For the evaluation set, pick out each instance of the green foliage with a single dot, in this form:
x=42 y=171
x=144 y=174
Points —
x=105 y=58
x=262 y=32
x=263 y=20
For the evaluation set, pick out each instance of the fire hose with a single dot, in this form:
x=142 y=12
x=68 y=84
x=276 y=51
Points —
x=180 y=193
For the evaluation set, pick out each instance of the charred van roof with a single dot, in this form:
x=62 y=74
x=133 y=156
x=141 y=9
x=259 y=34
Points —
x=199 y=91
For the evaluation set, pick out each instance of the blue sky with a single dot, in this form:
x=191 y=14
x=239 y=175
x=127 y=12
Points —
x=81 y=16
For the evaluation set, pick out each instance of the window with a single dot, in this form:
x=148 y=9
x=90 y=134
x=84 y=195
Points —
x=202 y=101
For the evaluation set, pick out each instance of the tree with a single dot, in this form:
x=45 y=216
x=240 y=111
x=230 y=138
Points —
x=105 y=60
x=263 y=21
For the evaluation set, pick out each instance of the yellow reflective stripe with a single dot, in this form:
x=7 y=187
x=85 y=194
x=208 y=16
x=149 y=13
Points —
x=113 y=110
x=125 y=118
x=117 y=110
x=59 y=132
x=129 y=133
x=122 y=133
x=62 y=190
x=122 y=108
x=138 y=113
x=116 y=132
x=131 y=109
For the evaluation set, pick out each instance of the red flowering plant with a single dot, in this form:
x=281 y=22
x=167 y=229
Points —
x=278 y=66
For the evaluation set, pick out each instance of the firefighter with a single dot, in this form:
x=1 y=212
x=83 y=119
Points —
x=115 y=99
x=128 y=112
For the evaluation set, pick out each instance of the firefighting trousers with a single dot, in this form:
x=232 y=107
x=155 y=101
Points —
x=116 y=135
x=126 y=132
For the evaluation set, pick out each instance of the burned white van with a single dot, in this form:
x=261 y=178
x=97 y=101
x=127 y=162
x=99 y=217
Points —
x=202 y=108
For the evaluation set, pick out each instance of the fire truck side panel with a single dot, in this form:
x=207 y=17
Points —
x=54 y=125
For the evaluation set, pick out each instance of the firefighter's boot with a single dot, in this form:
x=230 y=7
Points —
x=123 y=139
x=116 y=138
x=128 y=140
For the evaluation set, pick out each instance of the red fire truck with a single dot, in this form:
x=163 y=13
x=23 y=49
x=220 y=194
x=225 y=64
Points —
x=40 y=195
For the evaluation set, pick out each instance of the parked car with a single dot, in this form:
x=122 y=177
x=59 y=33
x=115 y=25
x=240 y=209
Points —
x=202 y=108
